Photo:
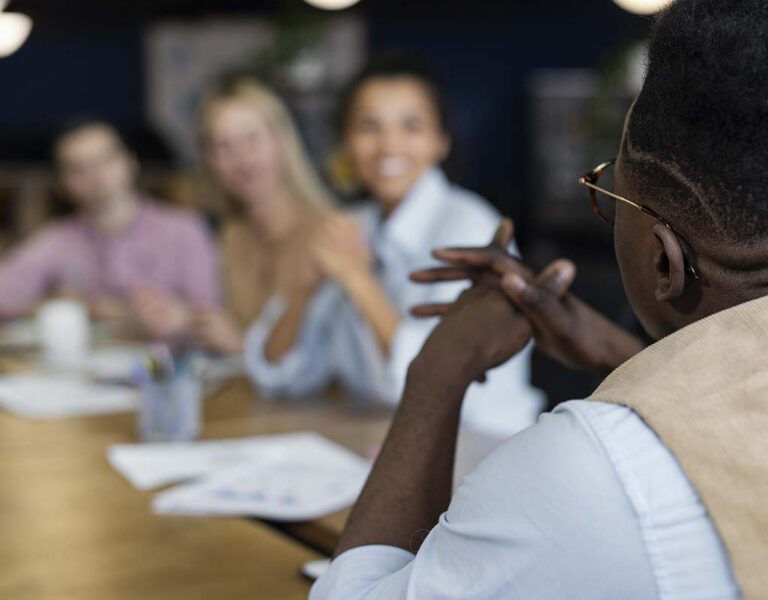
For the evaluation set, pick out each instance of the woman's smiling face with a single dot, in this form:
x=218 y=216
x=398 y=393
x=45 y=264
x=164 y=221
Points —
x=393 y=135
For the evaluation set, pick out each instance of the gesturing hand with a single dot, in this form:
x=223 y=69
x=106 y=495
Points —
x=478 y=332
x=564 y=327
x=340 y=250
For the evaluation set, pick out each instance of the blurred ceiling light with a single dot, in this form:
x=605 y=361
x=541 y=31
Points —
x=14 y=31
x=328 y=4
x=642 y=7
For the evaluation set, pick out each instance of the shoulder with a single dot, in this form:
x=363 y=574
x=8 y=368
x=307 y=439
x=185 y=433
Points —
x=56 y=233
x=561 y=464
x=468 y=217
x=174 y=220
x=685 y=549
x=559 y=440
x=641 y=461
x=549 y=496
x=469 y=201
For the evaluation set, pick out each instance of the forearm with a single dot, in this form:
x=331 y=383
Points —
x=286 y=331
x=411 y=482
x=371 y=300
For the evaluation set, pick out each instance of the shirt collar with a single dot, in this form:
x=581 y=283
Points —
x=143 y=209
x=418 y=211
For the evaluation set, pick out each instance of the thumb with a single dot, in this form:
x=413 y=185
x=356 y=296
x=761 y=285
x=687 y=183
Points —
x=557 y=278
x=551 y=284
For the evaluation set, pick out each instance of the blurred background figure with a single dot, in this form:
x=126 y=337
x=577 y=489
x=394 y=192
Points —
x=144 y=267
x=537 y=89
x=254 y=153
x=356 y=328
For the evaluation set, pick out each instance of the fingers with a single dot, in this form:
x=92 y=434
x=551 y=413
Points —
x=504 y=234
x=540 y=299
x=480 y=258
x=495 y=259
x=438 y=274
x=557 y=278
x=430 y=310
x=471 y=257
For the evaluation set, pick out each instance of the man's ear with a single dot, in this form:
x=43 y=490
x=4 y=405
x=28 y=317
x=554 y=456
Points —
x=670 y=265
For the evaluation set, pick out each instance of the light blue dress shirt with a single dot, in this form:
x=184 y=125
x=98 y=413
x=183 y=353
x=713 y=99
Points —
x=336 y=343
x=587 y=504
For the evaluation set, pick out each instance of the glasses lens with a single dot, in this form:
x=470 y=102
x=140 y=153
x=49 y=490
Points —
x=605 y=205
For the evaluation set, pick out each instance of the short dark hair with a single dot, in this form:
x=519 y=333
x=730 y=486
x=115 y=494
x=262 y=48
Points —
x=391 y=66
x=697 y=137
x=78 y=124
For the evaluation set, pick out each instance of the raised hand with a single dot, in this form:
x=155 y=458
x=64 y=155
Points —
x=340 y=250
x=486 y=264
x=480 y=331
x=564 y=327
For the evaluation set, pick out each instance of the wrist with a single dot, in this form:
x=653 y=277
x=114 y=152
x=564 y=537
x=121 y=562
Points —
x=357 y=281
x=441 y=378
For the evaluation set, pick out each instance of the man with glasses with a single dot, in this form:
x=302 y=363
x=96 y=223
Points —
x=657 y=485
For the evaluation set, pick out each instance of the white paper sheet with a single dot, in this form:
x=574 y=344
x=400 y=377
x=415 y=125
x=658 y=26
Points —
x=297 y=479
x=115 y=363
x=294 y=476
x=149 y=466
x=19 y=334
x=46 y=397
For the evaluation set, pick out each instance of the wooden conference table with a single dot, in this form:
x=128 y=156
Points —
x=71 y=527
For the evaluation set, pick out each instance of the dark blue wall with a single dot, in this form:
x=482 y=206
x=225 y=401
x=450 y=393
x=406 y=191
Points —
x=485 y=59
x=485 y=66
x=66 y=71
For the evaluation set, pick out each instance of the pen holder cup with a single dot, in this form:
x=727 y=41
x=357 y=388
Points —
x=170 y=409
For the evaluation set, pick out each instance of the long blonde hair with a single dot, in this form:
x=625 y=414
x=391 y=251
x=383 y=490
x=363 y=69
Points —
x=301 y=179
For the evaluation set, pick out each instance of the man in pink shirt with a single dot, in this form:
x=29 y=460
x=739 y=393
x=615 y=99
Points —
x=132 y=261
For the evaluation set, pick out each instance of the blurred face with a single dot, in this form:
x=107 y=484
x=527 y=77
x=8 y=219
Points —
x=393 y=135
x=244 y=155
x=94 y=167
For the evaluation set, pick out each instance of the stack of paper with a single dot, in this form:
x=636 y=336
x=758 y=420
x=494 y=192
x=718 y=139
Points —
x=19 y=334
x=43 y=396
x=292 y=477
x=115 y=363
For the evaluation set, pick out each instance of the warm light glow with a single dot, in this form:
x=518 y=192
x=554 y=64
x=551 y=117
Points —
x=332 y=4
x=14 y=31
x=642 y=7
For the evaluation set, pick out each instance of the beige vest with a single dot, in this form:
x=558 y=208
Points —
x=704 y=391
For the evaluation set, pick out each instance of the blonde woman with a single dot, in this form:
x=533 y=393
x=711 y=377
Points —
x=256 y=157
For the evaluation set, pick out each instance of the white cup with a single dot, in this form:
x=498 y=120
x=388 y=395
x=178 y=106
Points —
x=65 y=334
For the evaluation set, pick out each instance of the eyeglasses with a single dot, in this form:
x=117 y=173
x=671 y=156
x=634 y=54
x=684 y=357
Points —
x=606 y=212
